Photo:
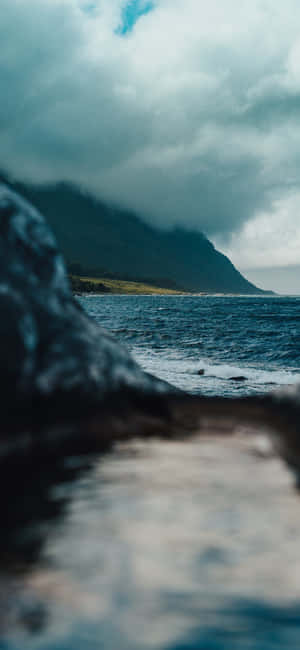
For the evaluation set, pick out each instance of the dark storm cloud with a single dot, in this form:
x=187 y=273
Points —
x=192 y=118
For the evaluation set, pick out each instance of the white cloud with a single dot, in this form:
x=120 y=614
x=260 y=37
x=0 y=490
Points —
x=191 y=119
x=270 y=239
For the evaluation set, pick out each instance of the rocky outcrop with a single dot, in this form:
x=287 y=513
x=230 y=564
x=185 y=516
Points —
x=48 y=345
x=55 y=362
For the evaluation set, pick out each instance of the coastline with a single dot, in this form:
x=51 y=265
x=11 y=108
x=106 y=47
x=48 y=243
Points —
x=83 y=285
x=86 y=285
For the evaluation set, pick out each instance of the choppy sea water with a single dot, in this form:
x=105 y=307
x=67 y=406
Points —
x=244 y=345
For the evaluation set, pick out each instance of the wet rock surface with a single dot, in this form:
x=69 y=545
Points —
x=238 y=378
x=52 y=356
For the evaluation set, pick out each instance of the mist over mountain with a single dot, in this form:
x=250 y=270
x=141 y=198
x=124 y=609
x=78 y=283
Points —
x=107 y=239
x=282 y=279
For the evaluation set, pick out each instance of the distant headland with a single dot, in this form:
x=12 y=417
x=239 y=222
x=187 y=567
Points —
x=118 y=245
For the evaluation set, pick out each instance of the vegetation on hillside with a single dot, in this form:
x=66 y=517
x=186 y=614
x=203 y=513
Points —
x=106 y=285
x=118 y=243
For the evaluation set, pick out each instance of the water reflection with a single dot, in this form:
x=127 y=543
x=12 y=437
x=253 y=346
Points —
x=158 y=545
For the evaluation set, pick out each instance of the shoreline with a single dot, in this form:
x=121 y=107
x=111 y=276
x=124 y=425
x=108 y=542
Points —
x=174 y=294
x=86 y=285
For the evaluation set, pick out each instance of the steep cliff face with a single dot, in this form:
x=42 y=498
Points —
x=102 y=237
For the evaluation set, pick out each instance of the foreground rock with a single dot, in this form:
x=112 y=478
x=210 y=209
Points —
x=54 y=360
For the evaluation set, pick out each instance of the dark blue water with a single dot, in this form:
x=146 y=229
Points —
x=257 y=338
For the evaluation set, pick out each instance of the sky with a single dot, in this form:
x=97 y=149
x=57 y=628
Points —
x=186 y=111
x=131 y=12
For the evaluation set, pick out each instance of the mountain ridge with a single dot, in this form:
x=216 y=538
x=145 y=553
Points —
x=117 y=241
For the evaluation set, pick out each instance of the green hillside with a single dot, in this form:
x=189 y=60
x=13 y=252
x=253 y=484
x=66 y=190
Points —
x=115 y=286
x=114 y=241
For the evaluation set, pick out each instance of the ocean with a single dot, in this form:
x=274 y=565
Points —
x=210 y=345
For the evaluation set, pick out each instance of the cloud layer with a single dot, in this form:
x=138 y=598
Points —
x=191 y=118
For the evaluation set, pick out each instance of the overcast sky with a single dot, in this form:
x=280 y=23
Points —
x=185 y=110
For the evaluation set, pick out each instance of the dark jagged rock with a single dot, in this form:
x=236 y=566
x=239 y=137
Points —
x=50 y=351
x=238 y=378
